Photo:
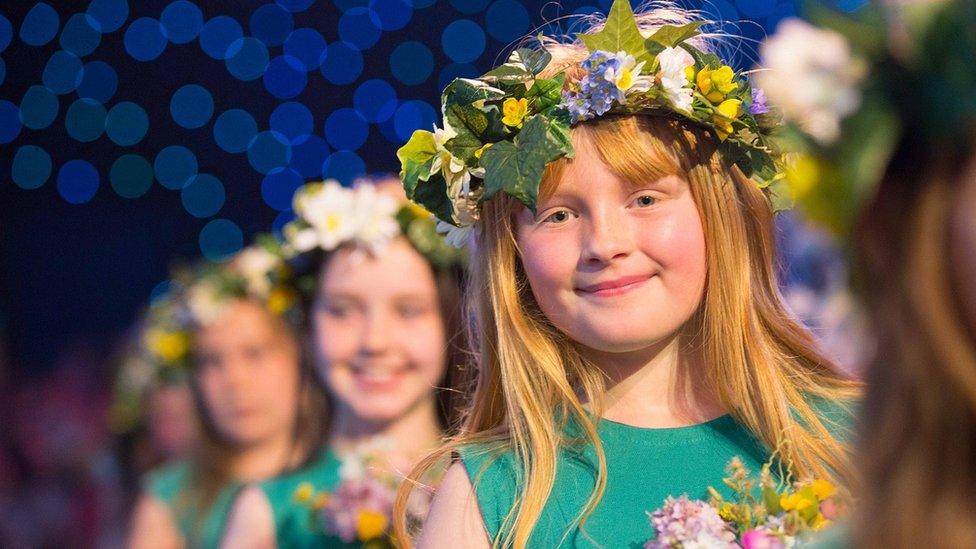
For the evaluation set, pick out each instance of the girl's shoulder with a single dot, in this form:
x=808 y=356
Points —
x=167 y=481
x=491 y=468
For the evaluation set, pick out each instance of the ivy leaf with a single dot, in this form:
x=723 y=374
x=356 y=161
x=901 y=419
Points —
x=513 y=71
x=670 y=36
x=468 y=92
x=619 y=34
x=516 y=167
x=545 y=94
x=433 y=196
x=419 y=148
x=463 y=145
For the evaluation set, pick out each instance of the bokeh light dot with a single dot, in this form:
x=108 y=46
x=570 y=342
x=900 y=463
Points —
x=144 y=39
x=131 y=176
x=85 y=120
x=392 y=14
x=108 y=15
x=220 y=239
x=279 y=186
x=247 y=58
x=191 y=106
x=359 y=26
x=271 y=24
x=204 y=196
x=346 y=129
x=343 y=63
x=126 y=124
x=411 y=63
x=413 y=115
x=306 y=46
x=284 y=79
x=293 y=120
x=39 y=107
x=99 y=81
x=218 y=34
x=175 y=166
x=63 y=72
x=40 y=25
x=463 y=41
x=295 y=6
x=31 y=167
x=79 y=36
x=307 y=157
x=375 y=99
x=6 y=32
x=344 y=166
x=456 y=70
x=469 y=6
x=234 y=130
x=420 y=4
x=181 y=21
x=507 y=20
x=269 y=150
x=77 y=180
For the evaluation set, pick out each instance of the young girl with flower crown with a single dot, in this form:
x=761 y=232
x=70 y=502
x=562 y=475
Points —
x=630 y=337
x=228 y=330
x=383 y=319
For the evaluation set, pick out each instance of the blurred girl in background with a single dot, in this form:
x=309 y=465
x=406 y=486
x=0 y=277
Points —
x=259 y=408
x=384 y=335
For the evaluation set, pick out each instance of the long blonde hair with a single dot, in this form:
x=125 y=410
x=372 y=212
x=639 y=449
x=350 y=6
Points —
x=760 y=363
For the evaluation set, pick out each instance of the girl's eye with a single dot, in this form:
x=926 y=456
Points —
x=410 y=311
x=338 y=311
x=645 y=201
x=561 y=216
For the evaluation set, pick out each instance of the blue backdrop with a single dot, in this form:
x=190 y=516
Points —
x=135 y=132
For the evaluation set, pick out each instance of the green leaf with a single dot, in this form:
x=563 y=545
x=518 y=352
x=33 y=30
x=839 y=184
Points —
x=559 y=136
x=545 y=94
x=413 y=174
x=702 y=59
x=419 y=148
x=513 y=71
x=433 y=195
x=534 y=60
x=670 y=36
x=516 y=167
x=485 y=124
x=771 y=499
x=467 y=92
x=619 y=34
x=463 y=146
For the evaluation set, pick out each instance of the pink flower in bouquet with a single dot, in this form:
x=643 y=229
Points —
x=759 y=538
x=353 y=510
x=686 y=523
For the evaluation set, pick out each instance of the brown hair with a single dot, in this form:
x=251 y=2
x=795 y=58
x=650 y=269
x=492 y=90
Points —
x=918 y=438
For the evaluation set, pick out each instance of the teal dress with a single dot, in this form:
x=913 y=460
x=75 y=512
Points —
x=644 y=467
x=170 y=484
x=295 y=524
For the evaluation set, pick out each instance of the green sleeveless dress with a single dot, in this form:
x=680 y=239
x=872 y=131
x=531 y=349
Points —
x=170 y=484
x=644 y=467
x=295 y=525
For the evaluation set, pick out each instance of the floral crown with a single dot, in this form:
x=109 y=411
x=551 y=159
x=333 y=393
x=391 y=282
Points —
x=502 y=129
x=329 y=215
x=870 y=79
x=257 y=272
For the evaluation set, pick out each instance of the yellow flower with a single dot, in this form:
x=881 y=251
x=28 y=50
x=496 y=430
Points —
x=481 y=150
x=280 y=300
x=716 y=84
x=304 y=492
x=370 y=524
x=822 y=489
x=725 y=113
x=803 y=175
x=794 y=502
x=514 y=111
x=169 y=346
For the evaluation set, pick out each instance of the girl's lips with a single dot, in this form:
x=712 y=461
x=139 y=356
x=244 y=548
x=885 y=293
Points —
x=615 y=287
x=375 y=380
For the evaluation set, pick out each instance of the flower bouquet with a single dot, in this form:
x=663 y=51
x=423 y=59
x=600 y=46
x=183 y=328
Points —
x=771 y=517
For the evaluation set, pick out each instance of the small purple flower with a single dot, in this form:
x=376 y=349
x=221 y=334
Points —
x=683 y=521
x=758 y=102
x=353 y=497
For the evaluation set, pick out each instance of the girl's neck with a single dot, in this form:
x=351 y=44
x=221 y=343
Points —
x=410 y=435
x=264 y=460
x=656 y=387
